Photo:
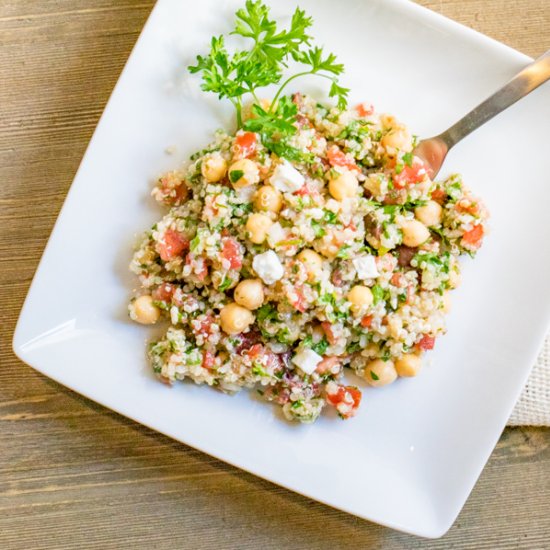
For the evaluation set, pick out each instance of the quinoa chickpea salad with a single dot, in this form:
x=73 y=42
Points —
x=291 y=254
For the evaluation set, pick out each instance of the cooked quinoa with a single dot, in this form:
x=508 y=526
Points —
x=277 y=274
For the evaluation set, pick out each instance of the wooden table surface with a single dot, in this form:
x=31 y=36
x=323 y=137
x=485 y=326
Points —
x=75 y=475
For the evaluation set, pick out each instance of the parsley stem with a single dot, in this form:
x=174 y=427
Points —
x=238 y=107
x=255 y=97
x=293 y=77
x=284 y=84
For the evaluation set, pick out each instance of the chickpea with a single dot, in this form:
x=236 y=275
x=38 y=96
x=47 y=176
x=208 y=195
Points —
x=408 y=365
x=312 y=262
x=343 y=186
x=269 y=199
x=214 y=168
x=414 y=233
x=380 y=373
x=257 y=226
x=388 y=121
x=447 y=302
x=145 y=312
x=243 y=173
x=398 y=138
x=429 y=214
x=234 y=319
x=361 y=298
x=249 y=293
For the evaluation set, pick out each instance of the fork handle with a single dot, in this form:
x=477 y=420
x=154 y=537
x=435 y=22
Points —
x=523 y=83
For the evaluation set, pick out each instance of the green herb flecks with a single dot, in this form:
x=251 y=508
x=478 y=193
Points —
x=235 y=175
x=378 y=294
x=225 y=284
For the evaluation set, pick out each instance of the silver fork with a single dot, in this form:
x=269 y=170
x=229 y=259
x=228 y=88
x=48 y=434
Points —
x=434 y=150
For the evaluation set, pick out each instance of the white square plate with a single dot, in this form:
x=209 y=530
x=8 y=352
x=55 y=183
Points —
x=413 y=454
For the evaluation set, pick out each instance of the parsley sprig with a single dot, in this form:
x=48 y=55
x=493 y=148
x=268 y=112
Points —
x=242 y=72
x=276 y=126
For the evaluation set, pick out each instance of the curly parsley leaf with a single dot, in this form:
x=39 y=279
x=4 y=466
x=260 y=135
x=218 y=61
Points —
x=253 y=22
x=233 y=75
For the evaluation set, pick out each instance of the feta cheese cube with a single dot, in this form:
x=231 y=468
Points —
x=365 y=267
x=275 y=234
x=286 y=178
x=268 y=267
x=307 y=360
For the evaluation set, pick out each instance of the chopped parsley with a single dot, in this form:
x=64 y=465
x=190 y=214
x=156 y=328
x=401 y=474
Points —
x=408 y=159
x=235 y=175
x=225 y=284
x=320 y=347
x=378 y=294
x=318 y=230
x=330 y=217
x=344 y=252
x=266 y=313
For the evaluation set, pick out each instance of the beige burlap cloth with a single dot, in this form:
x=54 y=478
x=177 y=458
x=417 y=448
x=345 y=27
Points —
x=533 y=407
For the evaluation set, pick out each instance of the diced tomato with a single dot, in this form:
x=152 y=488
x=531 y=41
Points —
x=397 y=279
x=299 y=302
x=172 y=245
x=303 y=191
x=246 y=144
x=410 y=174
x=366 y=321
x=201 y=271
x=204 y=327
x=439 y=195
x=171 y=190
x=327 y=364
x=208 y=359
x=327 y=329
x=254 y=351
x=337 y=157
x=346 y=399
x=231 y=251
x=468 y=206
x=474 y=236
x=426 y=343
x=200 y=268
x=351 y=226
x=364 y=109
x=164 y=292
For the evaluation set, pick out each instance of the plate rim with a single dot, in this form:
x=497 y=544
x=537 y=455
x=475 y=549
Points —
x=18 y=343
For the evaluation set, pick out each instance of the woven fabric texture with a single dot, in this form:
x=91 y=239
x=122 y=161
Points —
x=533 y=406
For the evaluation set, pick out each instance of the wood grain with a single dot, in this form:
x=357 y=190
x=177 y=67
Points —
x=74 y=475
